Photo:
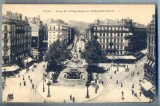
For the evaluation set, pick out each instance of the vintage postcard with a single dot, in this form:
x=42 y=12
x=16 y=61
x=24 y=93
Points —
x=79 y=53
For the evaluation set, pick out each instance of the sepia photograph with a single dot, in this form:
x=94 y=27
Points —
x=79 y=53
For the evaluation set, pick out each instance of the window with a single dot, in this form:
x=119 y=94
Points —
x=121 y=46
x=98 y=28
x=113 y=28
x=103 y=40
x=100 y=40
x=102 y=28
x=103 y=34
x=114 y=40
x=5 y=28
x=107 y=40
x=109 y=34
x=5 y=36
x=95 y=28
x=98 y=34
x=105 y=28
x=109 y=28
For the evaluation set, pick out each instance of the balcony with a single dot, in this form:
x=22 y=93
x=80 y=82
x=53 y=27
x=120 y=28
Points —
x=5 y=57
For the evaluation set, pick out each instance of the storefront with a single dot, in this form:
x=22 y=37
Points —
x=147 y=88
x=27 y=62
x=150 y=71
x=10 y=70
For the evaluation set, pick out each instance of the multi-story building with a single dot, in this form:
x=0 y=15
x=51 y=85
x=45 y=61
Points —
x=150 y=70
x=38 y=32
x=148 y=83
x=72 y=32
x=16 y=39
x=57 y=30
x=119 y=37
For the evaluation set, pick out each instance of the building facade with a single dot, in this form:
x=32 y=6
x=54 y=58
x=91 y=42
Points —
x=150 y=66
x=119 y=37
x=16 y=38
x=57 y=30
x=38 y=32
x=72 y=32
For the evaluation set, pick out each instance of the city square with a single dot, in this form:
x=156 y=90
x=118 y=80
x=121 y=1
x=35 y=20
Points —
x=110 y=60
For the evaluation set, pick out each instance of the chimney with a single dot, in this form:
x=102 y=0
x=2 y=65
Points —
x=9 y=14
x=16 y=15
x=26 y=19
x=20 y=16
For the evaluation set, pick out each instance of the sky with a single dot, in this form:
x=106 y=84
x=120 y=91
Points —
x=84 y=12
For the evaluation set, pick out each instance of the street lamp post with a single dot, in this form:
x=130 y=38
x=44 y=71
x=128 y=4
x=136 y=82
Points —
x=87 y=85
x=49 y=83
x=43 y=84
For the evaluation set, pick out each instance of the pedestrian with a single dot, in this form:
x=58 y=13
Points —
x=64 y=101
x=23 y=78
x=132 y=85
x=102 y=82
x=24 y=83
x=31 y=80
x=115 y=72
x=137 y=73
x=95 y=90
x=117 y=82
x=32 y=86
x=135 y=94
x=20 y=84
x=132 y=91
x=140 y=93
x=121 y=85
x=73 y=99
x=122 y=97
x=70 y=97
x=95 y=80
x=111 y=77
x=122 y=93
x=28 y=77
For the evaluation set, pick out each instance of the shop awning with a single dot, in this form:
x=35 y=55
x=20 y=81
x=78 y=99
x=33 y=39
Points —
x=150 y=63
x=146 y=85
x=11 y=68
x=153 y=64
x=121 y=57
x=27 y=60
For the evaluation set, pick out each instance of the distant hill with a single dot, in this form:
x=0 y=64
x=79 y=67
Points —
x=82 y=26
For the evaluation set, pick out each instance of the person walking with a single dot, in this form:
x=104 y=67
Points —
x=73 y=100
x=24 y=82
x=122 y=93
x=117 y=82
x=31 y=80
x=70 y=97
x=132 y=91
x=20 y=84
x=132 y=85
x=121 y=85
x=111 y=77
x=102 y=82
x=140 y=93
x=23 y=78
